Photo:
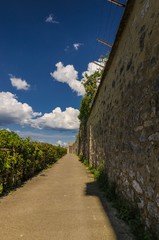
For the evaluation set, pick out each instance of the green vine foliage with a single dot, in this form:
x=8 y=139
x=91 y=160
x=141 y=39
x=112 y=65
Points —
x=90 y=84
x=21 y=159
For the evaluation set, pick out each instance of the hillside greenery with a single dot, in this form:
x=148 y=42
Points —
x=20 y=159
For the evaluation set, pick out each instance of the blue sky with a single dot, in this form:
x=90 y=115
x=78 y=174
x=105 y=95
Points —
x=45 y=47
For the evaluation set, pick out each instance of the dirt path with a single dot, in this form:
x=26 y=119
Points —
x=62 y=203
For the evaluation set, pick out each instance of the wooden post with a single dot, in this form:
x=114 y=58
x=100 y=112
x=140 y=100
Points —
x=105 y=43
x=117 y=3
x=98 y=64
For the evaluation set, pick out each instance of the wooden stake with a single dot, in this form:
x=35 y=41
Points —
x=105 y=43
x=117 y=3
x=98 y=64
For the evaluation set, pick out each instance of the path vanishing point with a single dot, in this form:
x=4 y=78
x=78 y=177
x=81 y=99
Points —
x=61 y=203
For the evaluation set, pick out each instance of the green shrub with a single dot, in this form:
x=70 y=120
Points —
x=21 y=159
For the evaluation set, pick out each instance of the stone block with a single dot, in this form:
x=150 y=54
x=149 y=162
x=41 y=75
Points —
x=152 y=209
x=154 y=137
x=139 y=128
x=148 y=123
x=137 y=187
x=143 y=136
x=149 y=192
x=157 y=199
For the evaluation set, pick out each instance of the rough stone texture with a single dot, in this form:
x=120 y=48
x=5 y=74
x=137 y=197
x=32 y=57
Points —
x=137 y=187
x=123 y=127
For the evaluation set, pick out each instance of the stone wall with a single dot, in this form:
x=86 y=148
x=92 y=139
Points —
x=123 y=127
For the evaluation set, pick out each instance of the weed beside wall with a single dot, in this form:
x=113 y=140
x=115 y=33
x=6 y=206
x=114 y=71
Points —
x=126 y=210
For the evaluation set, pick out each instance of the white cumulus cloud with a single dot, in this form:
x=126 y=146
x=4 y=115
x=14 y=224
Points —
x=13 y=111
x=58 y=119
x=67 y=74
x=77 y=46
x=50 y=19
x=19 y=83
x=61 y=143
x=92 y=68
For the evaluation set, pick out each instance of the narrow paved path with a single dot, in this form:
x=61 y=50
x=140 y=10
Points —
x=61 y=203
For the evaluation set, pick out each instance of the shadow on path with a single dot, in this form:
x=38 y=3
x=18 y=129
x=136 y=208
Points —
x=121 y=229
